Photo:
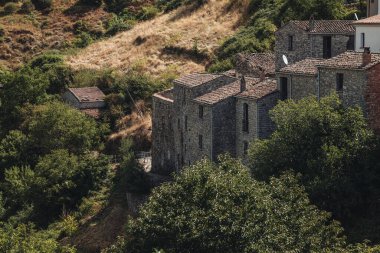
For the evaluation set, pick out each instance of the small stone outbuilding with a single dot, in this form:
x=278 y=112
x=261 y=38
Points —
x=90 y=100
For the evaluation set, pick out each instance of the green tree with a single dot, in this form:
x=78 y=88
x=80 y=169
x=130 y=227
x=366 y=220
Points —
x=335 y=152
x=220 y=208
x=25 y=86
x=24 y=238
x=57 y=183
x=56 y=125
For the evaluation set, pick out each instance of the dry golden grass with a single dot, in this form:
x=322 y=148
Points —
x=206 y=26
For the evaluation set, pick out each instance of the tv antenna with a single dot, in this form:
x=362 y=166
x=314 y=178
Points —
x=285 y=59
x=356 y=16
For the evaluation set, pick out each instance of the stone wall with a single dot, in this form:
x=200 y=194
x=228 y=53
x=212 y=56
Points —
x=301 y=45
x=266 y=125
x=252 y=133
x=163 y=148
x=354 y=85
x=224 y=128
x=186 y=141
x=372 y=97
x=299 y=86
x=69 y=98
x=338 y=45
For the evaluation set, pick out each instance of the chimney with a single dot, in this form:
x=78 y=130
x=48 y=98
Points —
x=311 y=23
x=367 y=56
x=243 y=84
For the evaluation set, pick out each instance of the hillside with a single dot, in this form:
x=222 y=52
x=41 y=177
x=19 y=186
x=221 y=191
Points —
x=182 y=40
x=26 y=35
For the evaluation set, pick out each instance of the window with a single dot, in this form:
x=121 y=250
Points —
x=290 y=43
x=179 y=124
x=362 y=40
x=284 y=88
x=351 y=43
x=200 y=111
x=245 y=147
x=200 y=141
x=339 y=82
x=185 y=123
x=327 y=47
x=245 y=118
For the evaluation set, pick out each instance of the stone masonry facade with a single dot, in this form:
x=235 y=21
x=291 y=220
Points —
x=205 y=115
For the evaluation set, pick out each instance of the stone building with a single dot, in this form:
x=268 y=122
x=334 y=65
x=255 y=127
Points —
x=89 y=100
x=299 y=80
x=205 y=115
x=298 y=40
x=373 y=7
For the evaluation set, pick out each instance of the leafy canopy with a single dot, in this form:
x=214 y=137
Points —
x=220 y=208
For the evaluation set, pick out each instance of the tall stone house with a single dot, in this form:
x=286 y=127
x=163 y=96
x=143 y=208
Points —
x=205 y=115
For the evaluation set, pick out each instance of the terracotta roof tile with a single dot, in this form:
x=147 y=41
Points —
x=252 y=64
x=225 y=92
x=326 y=26
x=88 y=94
x=367 y=21
x=350 y=60
x=196 y=79
x=304 y=67
x=260 y=89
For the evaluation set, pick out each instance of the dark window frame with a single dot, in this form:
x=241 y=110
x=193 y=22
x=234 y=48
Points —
x=200 y=111
x=200 y=142
x=327 y=47
x=290 y=43
x=362 y=40
x=245 y=122
x=283 y=88
x=339 y=82
x=245 y=147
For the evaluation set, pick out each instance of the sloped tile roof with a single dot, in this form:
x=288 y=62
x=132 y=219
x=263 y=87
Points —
x=196 y=79
x=350 y=60
x=88 y=94
x=225 y=92
x=307 y=66
x=260 y=90
x=326 y=26
x=166 y=95
x=368 y=21
x=257 y=62
x=94 y=112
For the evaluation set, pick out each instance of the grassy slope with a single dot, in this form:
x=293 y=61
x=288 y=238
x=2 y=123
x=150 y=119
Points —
x=183 y=28
x=29 y=34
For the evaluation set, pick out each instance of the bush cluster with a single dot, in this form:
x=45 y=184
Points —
x=10 y=8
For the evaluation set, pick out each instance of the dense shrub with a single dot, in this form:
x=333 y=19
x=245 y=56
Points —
x=83 y=40
x=335 y=153
x=10 y=8
x=148 y=12
x=118 y=24
x=27 y=7
x=95 y=3
x=219 y=208
x=43 y=4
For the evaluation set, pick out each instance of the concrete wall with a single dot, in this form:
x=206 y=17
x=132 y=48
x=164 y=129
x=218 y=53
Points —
x=354 y=85
x=372 y=37
x=163 y=148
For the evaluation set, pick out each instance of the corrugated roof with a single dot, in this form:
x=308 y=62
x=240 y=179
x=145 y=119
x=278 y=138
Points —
x=350 y=60
x=88 y=94
x=307 y=66
x=326 y=26
x=196 y=79
x=369 y=21
x=260 y=89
